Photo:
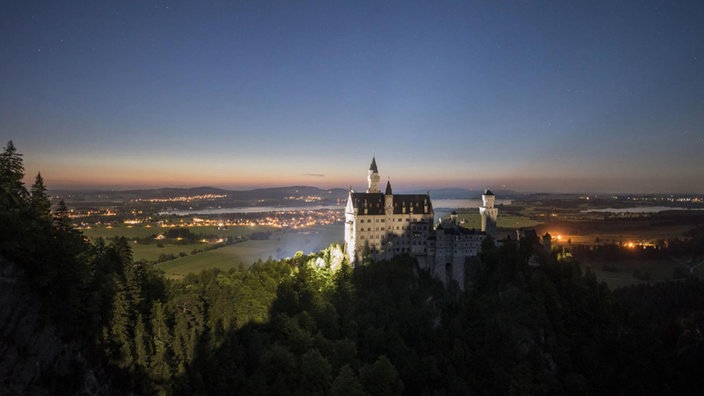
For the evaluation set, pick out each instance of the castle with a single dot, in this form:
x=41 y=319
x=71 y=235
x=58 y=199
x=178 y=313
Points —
x=383 y=225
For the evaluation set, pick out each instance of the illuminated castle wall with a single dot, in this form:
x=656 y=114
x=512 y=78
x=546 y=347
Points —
x=386 y=224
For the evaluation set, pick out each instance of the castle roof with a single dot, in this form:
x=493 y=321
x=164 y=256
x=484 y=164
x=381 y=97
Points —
x=488 y=192
x=388 y=188
x=402 y=203
x=373 y=167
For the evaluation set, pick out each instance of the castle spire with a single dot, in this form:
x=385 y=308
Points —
x=373 y=177
x=388 y=188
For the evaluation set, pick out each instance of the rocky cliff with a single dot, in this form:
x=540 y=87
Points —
x=33 y=358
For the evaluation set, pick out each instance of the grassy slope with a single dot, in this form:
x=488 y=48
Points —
x=151 y=252
x=281 y=244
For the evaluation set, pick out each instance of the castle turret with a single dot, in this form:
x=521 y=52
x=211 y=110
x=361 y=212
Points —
x=488 y=212
x=388 y=199
x=373 y=177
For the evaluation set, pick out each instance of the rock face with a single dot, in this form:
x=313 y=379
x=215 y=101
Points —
x=33 y=359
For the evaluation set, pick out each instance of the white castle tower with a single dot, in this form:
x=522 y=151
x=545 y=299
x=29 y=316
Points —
x=488 y=212
x=373 y=177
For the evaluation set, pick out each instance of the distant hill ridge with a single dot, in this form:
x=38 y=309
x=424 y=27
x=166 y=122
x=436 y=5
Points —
x=259 y=193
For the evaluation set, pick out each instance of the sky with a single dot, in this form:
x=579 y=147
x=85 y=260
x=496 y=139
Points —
x=550 y=96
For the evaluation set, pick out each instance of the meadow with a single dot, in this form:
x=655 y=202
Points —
x=153 y=250
x=621 y=273
x=282 y=243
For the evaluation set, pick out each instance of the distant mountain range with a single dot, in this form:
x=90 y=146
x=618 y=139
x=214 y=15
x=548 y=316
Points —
x=259 y=193
x=246 y=196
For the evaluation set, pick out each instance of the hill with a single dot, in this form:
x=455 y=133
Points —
x=262 y=196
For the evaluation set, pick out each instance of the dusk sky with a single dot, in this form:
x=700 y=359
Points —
x=578 y=96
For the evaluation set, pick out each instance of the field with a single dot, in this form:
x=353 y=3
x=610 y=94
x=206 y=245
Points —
x=152 y=251
x=281 y=244
x=571 y=227
x=614 y=234
x=621 y=272
x=145 y=231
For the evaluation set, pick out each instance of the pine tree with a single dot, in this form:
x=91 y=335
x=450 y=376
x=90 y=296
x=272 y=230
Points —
x=315 y=373
x=12 y=172
x=61 y=220
x=183 y=343
x=121 y=247
x=14 y=194
x=381 y=378
x=162 y=361
x=346 y=383
x=39 y=200
x=120 y=335
x=144 y=348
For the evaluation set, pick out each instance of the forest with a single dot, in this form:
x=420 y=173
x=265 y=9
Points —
x=312 y=325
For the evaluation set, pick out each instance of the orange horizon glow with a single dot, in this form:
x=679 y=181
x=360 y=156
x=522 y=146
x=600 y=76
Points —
x=143 y=172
